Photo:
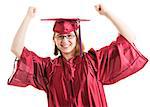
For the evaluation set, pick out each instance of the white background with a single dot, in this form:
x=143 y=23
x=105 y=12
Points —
x=133 y=91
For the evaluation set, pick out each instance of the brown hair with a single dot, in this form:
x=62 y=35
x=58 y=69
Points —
x=77 y=48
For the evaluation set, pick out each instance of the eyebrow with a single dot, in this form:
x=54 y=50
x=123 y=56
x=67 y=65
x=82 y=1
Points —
x=65 y=34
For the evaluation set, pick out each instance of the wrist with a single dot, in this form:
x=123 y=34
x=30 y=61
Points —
x=27 y=18
x=108 y=14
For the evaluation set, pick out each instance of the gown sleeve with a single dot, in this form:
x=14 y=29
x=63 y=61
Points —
x=31 y=70
x=116 y=61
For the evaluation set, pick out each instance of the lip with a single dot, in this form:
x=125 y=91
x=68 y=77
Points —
x=65 y=46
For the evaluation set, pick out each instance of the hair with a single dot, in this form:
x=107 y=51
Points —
x=77 y=48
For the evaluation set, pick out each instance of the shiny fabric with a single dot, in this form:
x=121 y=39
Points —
x=79 y=81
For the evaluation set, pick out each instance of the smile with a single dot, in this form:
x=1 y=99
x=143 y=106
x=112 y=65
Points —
x=65 y=46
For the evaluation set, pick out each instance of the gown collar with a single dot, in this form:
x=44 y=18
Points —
x=74 y=60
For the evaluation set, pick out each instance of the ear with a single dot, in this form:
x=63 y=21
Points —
x=76 y=32
x=54 y=38
x=54 y=41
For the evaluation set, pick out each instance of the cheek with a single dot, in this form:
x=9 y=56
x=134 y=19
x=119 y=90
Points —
x=74 y=42
x=56 y=42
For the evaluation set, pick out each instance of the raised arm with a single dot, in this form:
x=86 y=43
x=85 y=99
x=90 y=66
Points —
x=121 y=27
x=18 y=42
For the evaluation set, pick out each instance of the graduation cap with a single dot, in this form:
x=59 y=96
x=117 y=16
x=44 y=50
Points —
x=67 y=25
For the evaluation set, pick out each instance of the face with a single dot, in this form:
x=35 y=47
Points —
x=66 y=43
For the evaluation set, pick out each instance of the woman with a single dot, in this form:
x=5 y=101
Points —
x=74 y=79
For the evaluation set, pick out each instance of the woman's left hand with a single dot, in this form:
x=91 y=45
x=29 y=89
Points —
x=101 y=9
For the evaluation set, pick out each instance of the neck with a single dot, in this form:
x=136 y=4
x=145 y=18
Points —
x=68 y=56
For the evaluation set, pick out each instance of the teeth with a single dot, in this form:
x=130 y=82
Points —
x=65 y=46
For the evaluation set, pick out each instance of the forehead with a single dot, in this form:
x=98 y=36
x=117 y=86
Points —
x=70 y=33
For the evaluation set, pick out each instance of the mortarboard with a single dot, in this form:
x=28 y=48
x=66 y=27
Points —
x=67 y=25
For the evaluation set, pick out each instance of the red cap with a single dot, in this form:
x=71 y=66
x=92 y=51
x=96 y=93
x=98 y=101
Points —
x=65 y=25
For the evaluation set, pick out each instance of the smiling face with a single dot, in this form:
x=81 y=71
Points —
x=66 y=43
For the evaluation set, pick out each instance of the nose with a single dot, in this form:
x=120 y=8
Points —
x=64 y=39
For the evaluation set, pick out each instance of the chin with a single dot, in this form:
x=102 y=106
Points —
x=66 y=51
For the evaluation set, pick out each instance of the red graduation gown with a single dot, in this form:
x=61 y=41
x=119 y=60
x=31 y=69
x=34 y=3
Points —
x=79 y=81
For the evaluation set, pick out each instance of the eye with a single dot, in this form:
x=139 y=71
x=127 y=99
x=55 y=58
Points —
x=69 y=36
x=59 y=37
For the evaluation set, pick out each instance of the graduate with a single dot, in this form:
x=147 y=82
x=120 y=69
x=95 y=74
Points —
x=75 y=78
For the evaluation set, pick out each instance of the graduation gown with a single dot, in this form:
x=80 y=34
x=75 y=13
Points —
x=79 y=81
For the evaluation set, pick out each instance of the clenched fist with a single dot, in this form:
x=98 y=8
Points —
x=101 y=9
x=31 y=12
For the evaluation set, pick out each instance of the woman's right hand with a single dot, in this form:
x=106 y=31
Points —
x=31 y=12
